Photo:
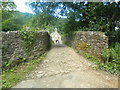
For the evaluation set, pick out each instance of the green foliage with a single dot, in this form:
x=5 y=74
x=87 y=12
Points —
x=90 y=16
x=111 y=57
x=97 y=15
x=16 y=74
x=8 y=64
x=9 y=5
x=111 y=67
x=106 y=55
x=112 y=54
x=7 y=15
x=44 y=14
x=42 y=20
x=114 y=36
x=14 y=20
x=28 y=38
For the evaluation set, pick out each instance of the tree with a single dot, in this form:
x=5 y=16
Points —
x=44 y=14
x=13 y=20
x=94 y=15
x=10 y=5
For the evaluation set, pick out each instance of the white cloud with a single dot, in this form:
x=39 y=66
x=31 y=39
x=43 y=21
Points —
x=21 y=6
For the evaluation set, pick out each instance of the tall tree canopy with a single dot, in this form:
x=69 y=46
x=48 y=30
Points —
x=11 y=19
x=67 y=16
x=84 y=14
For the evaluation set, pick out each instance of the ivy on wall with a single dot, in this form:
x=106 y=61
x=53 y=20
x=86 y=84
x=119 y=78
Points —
x=28 y=38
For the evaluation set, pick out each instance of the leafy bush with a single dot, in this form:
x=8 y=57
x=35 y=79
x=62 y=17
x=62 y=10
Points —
x=114 y=36
x=112 y=54
x=106 y=55
x=111 y=57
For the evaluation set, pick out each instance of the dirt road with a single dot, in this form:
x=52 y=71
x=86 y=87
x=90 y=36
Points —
x=64 y=68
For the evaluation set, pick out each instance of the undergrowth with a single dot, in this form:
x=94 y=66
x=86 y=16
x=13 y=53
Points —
x=16 y=74
x=110 y=67
x=111 y=58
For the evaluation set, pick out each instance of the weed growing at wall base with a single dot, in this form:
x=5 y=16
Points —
x=110 y=66
x=16 y=74
x=111 y=57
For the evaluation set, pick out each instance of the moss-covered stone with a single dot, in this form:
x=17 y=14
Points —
x=82 y=46
x=13 y=50
x=90 y=41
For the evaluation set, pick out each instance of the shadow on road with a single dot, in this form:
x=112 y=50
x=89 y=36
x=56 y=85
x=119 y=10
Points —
x=57 y=45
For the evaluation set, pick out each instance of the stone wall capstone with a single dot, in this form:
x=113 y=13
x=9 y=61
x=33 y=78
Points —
x=89 y=41
x=13 y=50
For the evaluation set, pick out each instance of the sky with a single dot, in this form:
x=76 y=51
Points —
x=21 y=6
x=24 y=8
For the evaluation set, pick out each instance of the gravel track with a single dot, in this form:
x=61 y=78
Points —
x=64 y=68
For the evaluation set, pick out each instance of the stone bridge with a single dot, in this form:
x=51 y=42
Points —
x=62 y=67
x=13 y=49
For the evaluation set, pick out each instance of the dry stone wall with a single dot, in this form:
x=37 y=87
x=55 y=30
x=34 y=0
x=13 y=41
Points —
x=14 y=51
x=89 y=41
x=0 y=52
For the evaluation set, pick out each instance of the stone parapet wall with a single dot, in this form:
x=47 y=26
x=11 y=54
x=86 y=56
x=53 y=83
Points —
x=14 y=51
x=0 y=52
x=89 y=41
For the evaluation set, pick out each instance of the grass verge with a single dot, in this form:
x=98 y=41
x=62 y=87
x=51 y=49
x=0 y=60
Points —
x=109 y=67
x=16 y=74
